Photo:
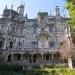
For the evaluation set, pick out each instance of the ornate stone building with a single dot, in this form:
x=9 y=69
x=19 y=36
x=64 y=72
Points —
x=32 y=41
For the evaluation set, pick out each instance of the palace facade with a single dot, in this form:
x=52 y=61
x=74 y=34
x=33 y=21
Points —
x=32 y=41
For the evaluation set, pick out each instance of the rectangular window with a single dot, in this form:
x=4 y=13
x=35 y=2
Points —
x=51 y=27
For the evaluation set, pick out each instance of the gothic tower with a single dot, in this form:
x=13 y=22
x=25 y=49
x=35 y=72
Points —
x=21 y=9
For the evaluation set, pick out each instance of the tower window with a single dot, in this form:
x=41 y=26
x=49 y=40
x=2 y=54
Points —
x=42 y=18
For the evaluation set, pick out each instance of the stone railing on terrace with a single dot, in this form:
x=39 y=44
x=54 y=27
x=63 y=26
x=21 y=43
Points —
x=34 y=50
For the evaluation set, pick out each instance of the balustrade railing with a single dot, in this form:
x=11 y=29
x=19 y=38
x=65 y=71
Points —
x=33 y=50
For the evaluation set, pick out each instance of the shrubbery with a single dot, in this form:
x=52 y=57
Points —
x=12 y=67
x=49 y=66
x=37 y=67
x=6 y=69
x=40 y=72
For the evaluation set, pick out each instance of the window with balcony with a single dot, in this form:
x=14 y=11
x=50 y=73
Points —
x=34 y=44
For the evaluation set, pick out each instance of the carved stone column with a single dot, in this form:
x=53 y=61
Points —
x=52 y=55
x=12 y=57
x=21 y=57
x=42 y=58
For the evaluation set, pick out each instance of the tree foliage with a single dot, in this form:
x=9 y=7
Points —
x=70 y=5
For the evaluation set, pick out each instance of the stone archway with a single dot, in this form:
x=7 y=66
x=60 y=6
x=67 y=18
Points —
x=27 y=57
x=56 y=56
x=37 y=57
x=47 y=56
x=9 y=58
x=17 y=56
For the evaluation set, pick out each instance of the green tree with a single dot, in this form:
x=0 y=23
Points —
x=70 y=5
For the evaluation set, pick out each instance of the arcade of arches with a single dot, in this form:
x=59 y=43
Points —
x=36 y=58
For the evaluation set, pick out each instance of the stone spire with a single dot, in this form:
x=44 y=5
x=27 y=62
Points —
x=50 y=12
x=57 y=11
x=11 y=6
x=6 y=7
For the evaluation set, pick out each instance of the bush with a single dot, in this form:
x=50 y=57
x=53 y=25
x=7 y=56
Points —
x=55 y=66
x=12 y=67
x=59 y=66
x=37 y=67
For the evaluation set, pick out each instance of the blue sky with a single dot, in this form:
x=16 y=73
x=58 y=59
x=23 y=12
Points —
x=32 y=7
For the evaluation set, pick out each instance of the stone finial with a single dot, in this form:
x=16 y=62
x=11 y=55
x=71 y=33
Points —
x=50 y=12
x=12 y=6
x=5 y=7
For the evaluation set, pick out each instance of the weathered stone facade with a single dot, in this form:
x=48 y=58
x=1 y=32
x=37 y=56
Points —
x=32 y=41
